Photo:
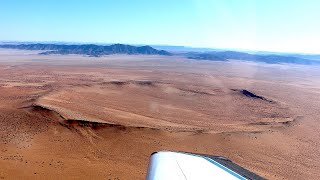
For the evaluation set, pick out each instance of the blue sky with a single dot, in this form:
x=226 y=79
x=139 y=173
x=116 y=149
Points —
x=272 y=25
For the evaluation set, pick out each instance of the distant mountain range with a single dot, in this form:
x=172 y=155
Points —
x=234 y=55
x=95 y=50
x=88 y=49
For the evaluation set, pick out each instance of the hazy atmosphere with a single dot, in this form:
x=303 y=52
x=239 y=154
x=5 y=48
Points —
x=159 y=89
x=287 y=26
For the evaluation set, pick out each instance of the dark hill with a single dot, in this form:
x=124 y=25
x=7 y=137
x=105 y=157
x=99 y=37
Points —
x=88 y=49
x=250 y=94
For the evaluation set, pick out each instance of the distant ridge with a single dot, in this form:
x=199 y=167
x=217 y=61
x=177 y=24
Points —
x=234 y=55
x=94 y=50
x=88 y=49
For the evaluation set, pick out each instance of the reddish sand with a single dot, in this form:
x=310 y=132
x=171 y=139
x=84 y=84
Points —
x=99 y=118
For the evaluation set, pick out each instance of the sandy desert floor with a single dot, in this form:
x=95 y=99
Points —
x=74 y=117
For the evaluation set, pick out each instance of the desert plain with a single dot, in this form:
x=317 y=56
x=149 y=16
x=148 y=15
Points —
x=76 y=117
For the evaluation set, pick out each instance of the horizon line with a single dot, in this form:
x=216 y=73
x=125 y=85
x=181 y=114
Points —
x=168 y=45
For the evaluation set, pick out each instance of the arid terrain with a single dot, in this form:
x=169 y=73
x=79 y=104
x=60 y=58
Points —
x=75 y=117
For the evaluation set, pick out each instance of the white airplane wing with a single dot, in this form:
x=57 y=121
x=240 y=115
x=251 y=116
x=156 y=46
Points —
x=169 y=165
